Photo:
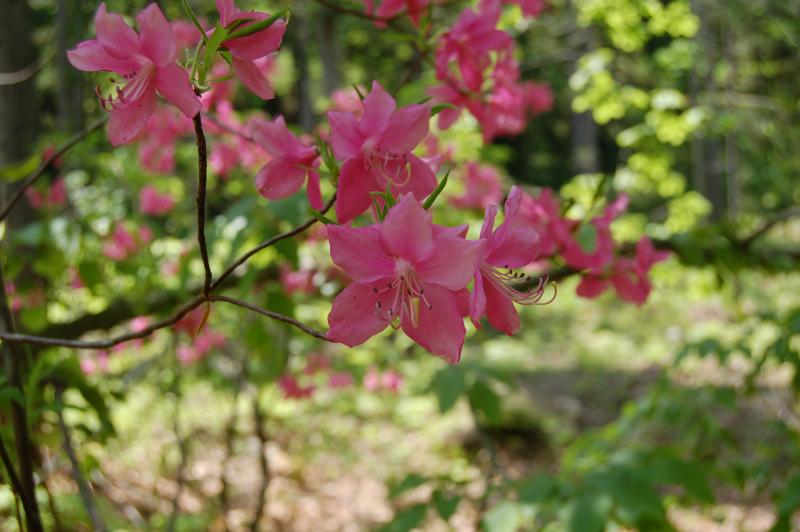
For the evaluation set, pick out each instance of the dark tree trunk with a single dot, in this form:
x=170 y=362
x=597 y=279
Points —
x=71 y=86
x=329 y=51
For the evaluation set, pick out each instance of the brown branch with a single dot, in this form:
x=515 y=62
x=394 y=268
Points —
x=78 y=137
x=14 y=338
x=16 y=485
x=273 y=315
x=267 y=243
x=202 y=178
x=83 y=487
x=779 y=217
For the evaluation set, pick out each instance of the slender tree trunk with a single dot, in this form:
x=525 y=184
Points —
x=17 y=132
x=298 y=40
x=329 y=51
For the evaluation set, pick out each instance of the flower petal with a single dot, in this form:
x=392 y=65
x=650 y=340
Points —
x=590 y=287
x=279 y=178
x=452 y=263
x=158 y=40
x=173 y=84
x=422 y=181
x=128 y=121
x=441 y=328
x=259 y=44
x=253 y=78
x=378 y=107
x=226 y=11
x=312 y=190
x=500 y=310
x=353 y=318
x=407 y=231
x=355 y=184
x=405 y=129
x=345 y=137
x=477 y=301
x=513 y=247
x=113 y=33
x=358 y=251
x=91 y=56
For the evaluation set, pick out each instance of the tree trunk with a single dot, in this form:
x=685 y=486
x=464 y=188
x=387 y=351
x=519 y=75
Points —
x=71 y=87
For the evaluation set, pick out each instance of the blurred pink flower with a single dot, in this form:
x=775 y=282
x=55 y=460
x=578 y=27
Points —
x=151 y=201
x=482 y=187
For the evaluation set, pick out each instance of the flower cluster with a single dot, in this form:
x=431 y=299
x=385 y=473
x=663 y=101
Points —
x=477 y=70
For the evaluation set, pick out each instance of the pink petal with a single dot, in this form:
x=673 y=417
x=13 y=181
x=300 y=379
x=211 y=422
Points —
x=441 y=328
x=313 y=192
x=345 y=137
x=127 y=122
x=259 y=44
x=390 y=8
x=500 y=310
x=353 y=318
x=405 y=129
x=276 y=138
x=489 y=217
x=91 y=56
x=407 y=231
x=378 y=107
x=355 y=184
x=226 y=11
x=590 y=287
x=440 y=231
x=632 y=288
x=253 y=78
x=452 y=263
x=113 y=33
x=280 y=178
x=422 y=181
x=477 y=301
x=358 y=251
x=173 y=84
x=158 y=40
x=513 y=247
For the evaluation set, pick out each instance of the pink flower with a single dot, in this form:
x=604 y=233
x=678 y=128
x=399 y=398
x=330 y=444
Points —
x=157 y=139
x=316 y=362
x=293 y=162
x=201 y=345
x=530 y=8
x=388 y=9
x=628 y=276
x=376 y=151
x=340 y=380
x=146 y=62
x=406 y=272
x=296 y=281
x=482 y=187
x=151 y=201
x=192 y=322
x=391 y=381
x=543 y=214
x=292 y=390
x=372 y=380
x=186 y=34
x=123 y=243
x=347 y=101
x=511 y=245
x=246 y=50
x=55 y=196
x=224 y=158
x=603 y=253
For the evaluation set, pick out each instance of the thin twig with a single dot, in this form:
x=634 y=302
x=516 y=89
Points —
x=83 y=487
x=258 y=421
x=16 y=485
x=78 y=137
x=202 y=178
x=267 y=243
x=15 y=338
x=779 y=217
x=274 y=315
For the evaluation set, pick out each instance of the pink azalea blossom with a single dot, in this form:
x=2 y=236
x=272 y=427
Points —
x=347 y=101
x=391 y=381
x=482 y=187
x=95 y=363
x=292 y=390
x=192 y=322
x=376 y=150
x=186 y=34
x=628 y=275
x=55 y=196
x=372 y=380
x=123 y=243
x=603 y=253
x=201 y=345
x=15 y=302
x=151 y=201
x=543 y=214
x=246 y=50
x=511 y=245
x=530 y=8
x=300 y=281
x=146 y=62
x=293 y=162
x=157 y=140
x=224 y=158
x=408 y=273
x=340 y=380
x=388 y=9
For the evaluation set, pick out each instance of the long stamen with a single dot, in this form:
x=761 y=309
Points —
x=502 y=280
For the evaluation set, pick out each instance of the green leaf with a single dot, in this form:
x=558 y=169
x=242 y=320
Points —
x=483 y=399
x=321 y=217
x=411 y=481
x=258 y=26
x=15 y=172
x=505 y=517
x=435 y=194
x=536 y=489
x=407 y=519
x=439 y=107
x=212 y=45
x=445 y=504
x=448 y=384
x=588 y=513
x=190 y=13
x=358 y=91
